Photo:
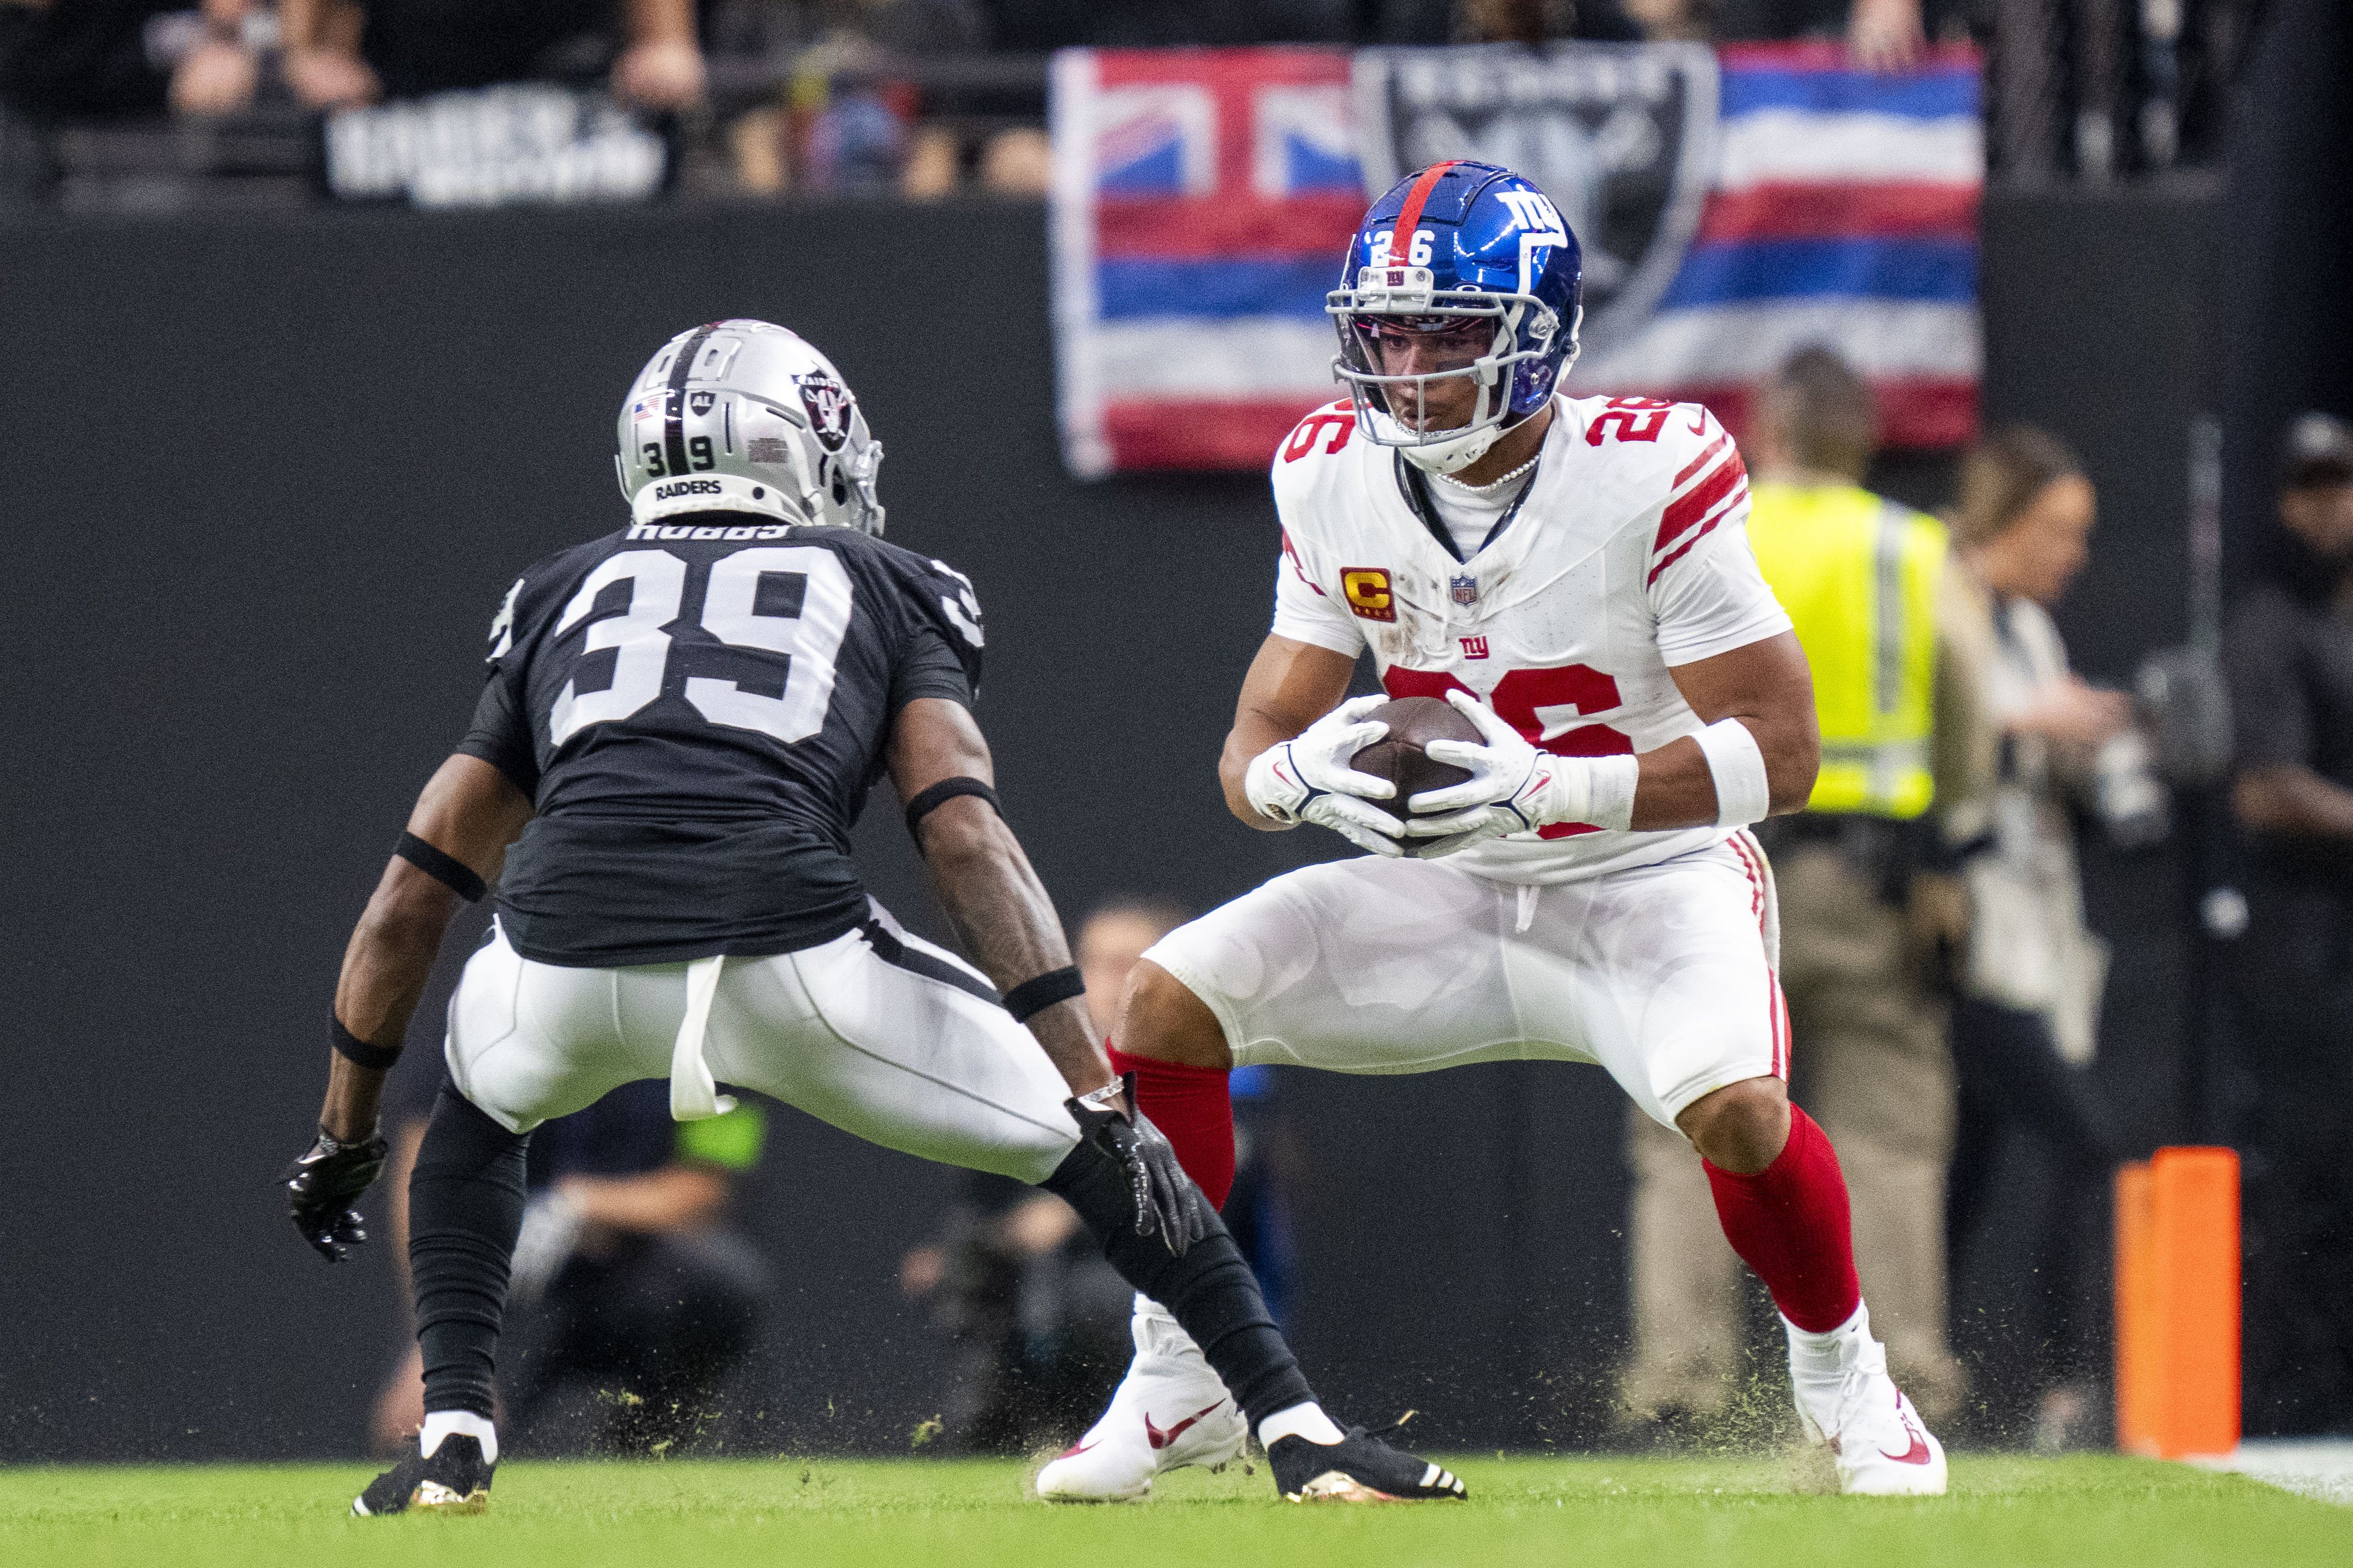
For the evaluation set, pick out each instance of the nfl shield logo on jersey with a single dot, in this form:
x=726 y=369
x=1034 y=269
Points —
x=1466 y=589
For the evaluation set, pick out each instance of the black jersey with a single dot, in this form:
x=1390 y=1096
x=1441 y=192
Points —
x=697 y=709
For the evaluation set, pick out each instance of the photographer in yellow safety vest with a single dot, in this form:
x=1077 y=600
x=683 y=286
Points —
x=1868 y=908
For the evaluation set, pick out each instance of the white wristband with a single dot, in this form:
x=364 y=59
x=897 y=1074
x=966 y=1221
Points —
x=1610 y=784
x=1742 y=795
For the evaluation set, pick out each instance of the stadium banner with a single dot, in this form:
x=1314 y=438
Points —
x=495 y=146
x=1734 y=205
x=1843 y=211
x=1202 y=198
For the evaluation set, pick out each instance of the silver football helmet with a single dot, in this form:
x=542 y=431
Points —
x=744 y=415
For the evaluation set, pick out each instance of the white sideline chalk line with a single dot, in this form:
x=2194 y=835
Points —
x=2318 y=1468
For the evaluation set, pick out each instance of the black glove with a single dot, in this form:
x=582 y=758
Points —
x=320 y=1185
x=1166 y=1198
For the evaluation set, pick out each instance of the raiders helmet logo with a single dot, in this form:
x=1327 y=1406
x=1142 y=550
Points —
x=827 y=402
x=701 y=402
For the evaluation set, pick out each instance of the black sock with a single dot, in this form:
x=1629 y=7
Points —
x=465 y=1208
x=1210 y=1291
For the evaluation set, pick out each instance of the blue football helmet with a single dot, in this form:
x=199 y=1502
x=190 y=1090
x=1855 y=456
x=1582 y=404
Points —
x=1461 y=271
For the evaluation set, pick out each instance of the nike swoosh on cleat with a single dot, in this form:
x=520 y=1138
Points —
x=1917 y=1454
x=1160 y=1439
x=1075 y=1449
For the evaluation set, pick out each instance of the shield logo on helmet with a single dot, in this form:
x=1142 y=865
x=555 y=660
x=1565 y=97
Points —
x=701 y=402
x=828 y=404
x=1621 y=137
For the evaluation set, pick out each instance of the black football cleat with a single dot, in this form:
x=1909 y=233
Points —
x=452 y=1480
x=1360 y=1468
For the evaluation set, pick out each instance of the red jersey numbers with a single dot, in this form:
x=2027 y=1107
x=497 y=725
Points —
x=1552 y=708
x=1635 y=419
x=1369 y=594
x=1339 y=418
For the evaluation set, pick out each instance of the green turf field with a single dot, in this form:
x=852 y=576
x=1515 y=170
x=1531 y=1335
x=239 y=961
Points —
x=1622 y=1513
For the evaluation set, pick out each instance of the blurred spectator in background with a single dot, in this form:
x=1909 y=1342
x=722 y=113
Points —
x=339 y=53
x=1867 y=903
x=2026 y=1026
x=634 y=1296
x=2288 y=652
x=1039 y=1319
x=97 y=59
x=1883 y=35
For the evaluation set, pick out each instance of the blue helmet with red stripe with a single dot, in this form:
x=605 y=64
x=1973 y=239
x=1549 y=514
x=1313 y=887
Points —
x=1463 y=272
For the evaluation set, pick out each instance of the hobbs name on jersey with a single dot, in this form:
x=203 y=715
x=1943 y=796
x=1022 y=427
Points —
x=687 y=531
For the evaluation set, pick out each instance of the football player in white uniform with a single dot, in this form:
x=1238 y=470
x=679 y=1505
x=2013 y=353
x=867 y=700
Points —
x=1574 y=575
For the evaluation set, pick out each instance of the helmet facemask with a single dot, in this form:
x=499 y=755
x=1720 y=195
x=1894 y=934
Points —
x=1403 y=341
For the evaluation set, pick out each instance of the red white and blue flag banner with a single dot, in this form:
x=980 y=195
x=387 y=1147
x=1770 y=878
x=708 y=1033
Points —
x=1734 y=206
x=1843 y=212
x=1202 y=201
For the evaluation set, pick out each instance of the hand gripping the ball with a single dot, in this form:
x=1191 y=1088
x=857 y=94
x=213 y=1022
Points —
x=1308 y=779
x=1515 y=788
x=321 y=1186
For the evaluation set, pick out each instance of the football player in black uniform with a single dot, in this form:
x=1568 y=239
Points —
x=681 y=723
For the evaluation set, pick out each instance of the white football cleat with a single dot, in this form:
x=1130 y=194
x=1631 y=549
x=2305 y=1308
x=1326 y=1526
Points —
x=1881 y=1446
x=1170 y=1411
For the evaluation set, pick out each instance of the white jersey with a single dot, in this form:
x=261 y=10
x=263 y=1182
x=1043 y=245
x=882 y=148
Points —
x=1628 y=555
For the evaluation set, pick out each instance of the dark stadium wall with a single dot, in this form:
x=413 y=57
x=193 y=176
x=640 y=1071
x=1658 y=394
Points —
x=2286 y=258
x=267 y=480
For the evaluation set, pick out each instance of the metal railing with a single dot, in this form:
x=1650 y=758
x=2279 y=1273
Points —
x=2096 y=89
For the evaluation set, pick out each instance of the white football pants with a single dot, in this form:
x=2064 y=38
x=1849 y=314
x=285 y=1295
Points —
x=879 y=1033
x=1664 y=975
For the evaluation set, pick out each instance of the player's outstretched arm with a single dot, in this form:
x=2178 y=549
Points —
x=464 y=820
x=1007 y=927
x=1002 y=914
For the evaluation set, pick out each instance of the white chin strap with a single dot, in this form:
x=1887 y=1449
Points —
x=1449 y=456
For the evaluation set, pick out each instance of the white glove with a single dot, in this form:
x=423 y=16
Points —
x=1515 y=788
x=1307 y=779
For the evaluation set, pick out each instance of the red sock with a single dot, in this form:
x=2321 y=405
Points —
x=1789 y=1222
x=1193 y=1107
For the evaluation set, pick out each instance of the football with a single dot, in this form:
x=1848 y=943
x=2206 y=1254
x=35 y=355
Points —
x=1398 y=757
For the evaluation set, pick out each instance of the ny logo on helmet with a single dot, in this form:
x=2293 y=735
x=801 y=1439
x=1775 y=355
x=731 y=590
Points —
x=828 y=404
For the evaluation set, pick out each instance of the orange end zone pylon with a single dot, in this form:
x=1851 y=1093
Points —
x=2177 y=1288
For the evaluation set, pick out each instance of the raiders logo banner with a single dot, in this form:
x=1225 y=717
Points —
x=1620 y=136
x=1736 y=205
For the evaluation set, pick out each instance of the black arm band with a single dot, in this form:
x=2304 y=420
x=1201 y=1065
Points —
x=939 y=794
x=358 y=1052
x=1035 y=996
x=451 y=873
